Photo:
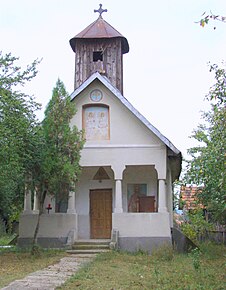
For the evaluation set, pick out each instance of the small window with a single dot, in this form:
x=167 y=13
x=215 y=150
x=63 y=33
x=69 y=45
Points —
x=97 y=55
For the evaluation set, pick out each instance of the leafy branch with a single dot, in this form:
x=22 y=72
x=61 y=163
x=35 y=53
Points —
x=206 y=18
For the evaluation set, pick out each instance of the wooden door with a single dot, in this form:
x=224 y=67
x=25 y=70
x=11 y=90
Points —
x=101 y=213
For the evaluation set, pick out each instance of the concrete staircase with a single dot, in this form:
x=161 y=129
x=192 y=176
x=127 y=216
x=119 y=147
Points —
x=90 y=247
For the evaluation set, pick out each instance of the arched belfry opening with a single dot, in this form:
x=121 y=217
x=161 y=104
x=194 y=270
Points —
x=99 y=48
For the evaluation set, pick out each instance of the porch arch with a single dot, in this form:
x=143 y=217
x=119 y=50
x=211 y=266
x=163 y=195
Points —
x=140 y=183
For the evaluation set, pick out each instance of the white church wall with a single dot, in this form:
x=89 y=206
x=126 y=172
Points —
x=130 y=143
x=142 y=231
x=120 y=157
x=169 y=195
x=142 y=224
x=53 y=232
x=125 y=128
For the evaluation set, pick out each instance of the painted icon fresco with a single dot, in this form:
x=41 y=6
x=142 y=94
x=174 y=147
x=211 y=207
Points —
x=96 y=123
x=134 y=191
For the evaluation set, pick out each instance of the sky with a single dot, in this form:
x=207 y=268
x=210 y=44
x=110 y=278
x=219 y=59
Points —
x=166 y=73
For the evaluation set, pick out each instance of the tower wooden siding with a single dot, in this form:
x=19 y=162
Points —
x=111 y=66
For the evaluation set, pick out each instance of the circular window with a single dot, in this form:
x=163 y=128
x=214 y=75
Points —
x=96 y=95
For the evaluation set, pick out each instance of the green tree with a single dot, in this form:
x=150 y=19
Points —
x=17 y=123
x=207 y=166
x=57 y=166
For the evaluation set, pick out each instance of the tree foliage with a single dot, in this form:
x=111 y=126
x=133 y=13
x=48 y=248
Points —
x=44 y=157
x=17 y=123
x=207 y=166
x=63 y=143
x=57 y=168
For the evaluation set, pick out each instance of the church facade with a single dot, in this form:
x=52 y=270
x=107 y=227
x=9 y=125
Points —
x=128 y=166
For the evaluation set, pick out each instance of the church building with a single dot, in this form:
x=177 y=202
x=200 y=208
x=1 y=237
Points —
x=124 y=193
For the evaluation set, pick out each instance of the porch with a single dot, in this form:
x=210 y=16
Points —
x=138 y=208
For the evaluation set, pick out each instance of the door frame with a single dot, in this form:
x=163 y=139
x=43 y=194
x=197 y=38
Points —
x=91 y=191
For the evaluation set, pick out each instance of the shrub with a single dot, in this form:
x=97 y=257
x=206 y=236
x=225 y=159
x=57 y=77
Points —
x=195 y=254
x=196 y=225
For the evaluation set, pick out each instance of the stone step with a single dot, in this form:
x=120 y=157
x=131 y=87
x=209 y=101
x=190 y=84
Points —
x=81 y=246
x=85 y=247
x=93 y=242
x=85 y=252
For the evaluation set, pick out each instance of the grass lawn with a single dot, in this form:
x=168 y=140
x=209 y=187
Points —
x=162 y=270
x=15 y=264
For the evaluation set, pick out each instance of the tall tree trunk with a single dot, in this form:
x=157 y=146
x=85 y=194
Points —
x=35 y=238
x=42 y=196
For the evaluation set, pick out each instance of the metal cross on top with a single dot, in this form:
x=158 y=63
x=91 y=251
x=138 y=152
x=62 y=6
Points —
x=100 y=10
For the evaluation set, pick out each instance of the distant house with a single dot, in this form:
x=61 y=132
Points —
x=188 y=197
x=128 y=166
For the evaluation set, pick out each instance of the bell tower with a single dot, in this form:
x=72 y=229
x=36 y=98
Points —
x=99 y=48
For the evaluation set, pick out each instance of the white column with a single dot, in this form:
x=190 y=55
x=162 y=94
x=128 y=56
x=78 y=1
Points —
x=162 y=206
x=71 y=202
x=35 y=205
x=27 y=200
x=118 y=196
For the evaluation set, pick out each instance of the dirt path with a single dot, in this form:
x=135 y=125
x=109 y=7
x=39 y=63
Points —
x=52 y=276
